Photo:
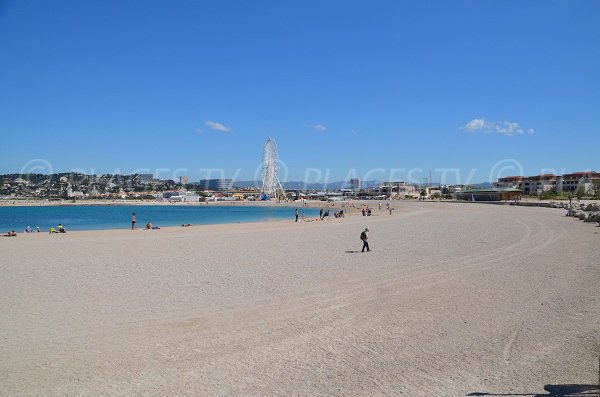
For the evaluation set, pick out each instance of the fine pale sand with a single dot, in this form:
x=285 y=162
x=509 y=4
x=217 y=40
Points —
x=454 y=299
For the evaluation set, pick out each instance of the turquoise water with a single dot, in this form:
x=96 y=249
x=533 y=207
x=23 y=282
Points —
x=95 y=217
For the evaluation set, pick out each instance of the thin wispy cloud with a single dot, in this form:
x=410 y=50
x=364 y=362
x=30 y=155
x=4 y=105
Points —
x=496 y=127
x=317 y=127
x=213 y=125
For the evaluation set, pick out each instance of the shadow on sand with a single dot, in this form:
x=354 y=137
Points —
x=553 y=391
x=353 y=252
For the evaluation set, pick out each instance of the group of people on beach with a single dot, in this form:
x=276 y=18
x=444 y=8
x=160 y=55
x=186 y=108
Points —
x=323 y=215
x=149 y=225
x=366 y=211
x=28 y=229
x=59 y=229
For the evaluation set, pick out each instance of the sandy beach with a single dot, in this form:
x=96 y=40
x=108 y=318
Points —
x=454 y=299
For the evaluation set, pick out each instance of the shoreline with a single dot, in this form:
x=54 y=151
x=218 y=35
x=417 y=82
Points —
x=350 y=209
x=352 y=217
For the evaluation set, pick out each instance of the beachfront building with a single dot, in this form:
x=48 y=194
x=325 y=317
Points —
x=509 y=182
x=396 y=189
x=246 y=193
x=218 y=185
x=492 y=194
x=179 y=196
x=587 y=181
x=540 y=183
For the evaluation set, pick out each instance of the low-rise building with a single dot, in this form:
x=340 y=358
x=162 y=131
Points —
x=492 y=194
x=588 y=181
x=540 y=183
x=509 y=182
x=396 y=189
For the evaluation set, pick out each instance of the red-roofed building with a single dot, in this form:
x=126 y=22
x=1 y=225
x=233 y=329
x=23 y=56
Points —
x=540 y=183
x=587 y=180
x=531 y=185
x=509 y=182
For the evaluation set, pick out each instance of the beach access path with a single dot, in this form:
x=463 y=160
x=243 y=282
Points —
x=453 y=300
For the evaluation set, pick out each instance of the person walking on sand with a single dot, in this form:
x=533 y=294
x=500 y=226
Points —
x=321 y=214
x=296 y=214
x=302 y=219
x=364 y=236
x=133 y=221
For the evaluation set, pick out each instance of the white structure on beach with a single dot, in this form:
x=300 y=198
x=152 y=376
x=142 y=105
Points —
x=270 y=183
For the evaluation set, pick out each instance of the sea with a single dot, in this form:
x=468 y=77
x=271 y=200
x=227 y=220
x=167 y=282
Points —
x=99 y=217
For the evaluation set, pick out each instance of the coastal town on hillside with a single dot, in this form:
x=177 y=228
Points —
x=80 y=187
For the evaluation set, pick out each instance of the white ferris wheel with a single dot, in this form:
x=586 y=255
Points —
x=270 y=182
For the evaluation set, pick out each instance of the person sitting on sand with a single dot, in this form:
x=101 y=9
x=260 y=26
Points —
x=149 y=225
x=12 y=233
x=52 y=230
x=61 y=229
x=28 y=229
x=186 y=225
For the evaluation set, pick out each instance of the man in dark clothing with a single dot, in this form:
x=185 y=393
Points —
x=321 y=214
x=364 y=236
x=296 y=212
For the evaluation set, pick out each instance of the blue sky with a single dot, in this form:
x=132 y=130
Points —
x=477 y=88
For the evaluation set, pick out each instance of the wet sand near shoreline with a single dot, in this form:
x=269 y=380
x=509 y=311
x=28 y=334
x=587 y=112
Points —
x=453 y=299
